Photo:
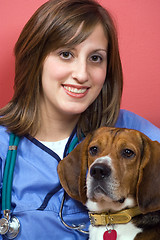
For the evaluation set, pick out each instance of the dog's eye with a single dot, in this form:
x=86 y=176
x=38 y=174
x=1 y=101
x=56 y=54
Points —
x=93 y=150
x=127 y=153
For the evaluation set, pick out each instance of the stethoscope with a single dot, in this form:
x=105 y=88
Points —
x=9 y=224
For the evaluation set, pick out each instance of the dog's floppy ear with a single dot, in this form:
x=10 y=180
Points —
x=148 y=187
x=72 y=171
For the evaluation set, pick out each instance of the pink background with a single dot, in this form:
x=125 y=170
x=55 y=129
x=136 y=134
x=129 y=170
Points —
x=138 y=24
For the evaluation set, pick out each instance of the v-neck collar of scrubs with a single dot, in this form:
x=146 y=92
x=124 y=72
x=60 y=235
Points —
x=48 y=150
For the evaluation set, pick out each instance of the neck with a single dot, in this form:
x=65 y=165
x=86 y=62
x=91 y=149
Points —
x=55 y=128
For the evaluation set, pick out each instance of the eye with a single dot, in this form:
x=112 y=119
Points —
x=65 y=55
x=93 y=150
x=127 y=153
x=96 y=58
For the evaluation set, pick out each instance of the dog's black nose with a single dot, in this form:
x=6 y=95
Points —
x=99 y=171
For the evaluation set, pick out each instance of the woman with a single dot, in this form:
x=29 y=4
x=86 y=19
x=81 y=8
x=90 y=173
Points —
x=68 y=82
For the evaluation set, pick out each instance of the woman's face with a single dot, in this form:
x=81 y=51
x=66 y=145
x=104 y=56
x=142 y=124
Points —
x=72 y=78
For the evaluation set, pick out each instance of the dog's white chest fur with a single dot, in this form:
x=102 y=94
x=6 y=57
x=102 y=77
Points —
x=124 y=232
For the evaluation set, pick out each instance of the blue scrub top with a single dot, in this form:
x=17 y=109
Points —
x=36 y=190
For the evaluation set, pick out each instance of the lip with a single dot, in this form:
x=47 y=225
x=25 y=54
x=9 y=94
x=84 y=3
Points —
x=75 y=90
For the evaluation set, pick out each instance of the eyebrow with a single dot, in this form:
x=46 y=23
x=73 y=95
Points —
x=73 y=48
x=101 y=49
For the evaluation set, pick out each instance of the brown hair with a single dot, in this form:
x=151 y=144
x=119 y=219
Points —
x=52 y=26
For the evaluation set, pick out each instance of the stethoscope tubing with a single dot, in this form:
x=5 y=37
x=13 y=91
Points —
x=73 y=227
x=8 y=172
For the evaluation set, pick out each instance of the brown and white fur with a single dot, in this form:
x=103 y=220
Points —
x=114 y=169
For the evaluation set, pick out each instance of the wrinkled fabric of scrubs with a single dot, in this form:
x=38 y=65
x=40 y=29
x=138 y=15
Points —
x=37 y=193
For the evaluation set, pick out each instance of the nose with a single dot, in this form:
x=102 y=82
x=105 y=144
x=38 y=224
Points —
x=80 y=71
x=99 y=171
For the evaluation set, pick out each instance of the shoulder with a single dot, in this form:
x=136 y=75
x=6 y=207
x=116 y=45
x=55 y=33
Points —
x=4 y=135
x=4 y=141
x=131 y=120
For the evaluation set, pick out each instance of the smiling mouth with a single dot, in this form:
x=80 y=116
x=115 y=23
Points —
x=75 y=90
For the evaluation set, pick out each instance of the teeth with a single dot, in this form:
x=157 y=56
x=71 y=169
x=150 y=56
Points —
x=75 y=90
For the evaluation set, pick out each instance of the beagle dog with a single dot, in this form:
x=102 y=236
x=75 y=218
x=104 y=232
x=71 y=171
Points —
x=115 y=173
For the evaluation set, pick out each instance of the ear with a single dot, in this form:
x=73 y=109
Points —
x=72 y=171
x=148 y=187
